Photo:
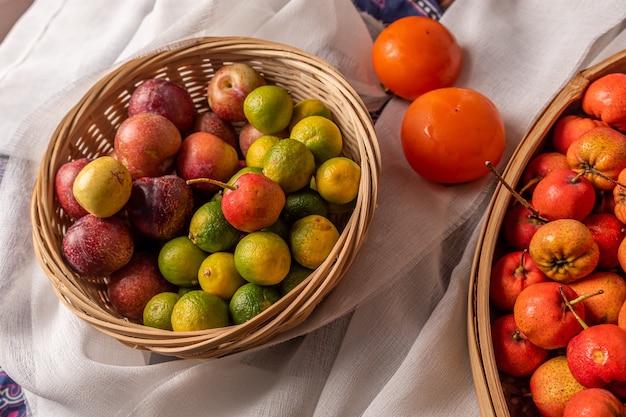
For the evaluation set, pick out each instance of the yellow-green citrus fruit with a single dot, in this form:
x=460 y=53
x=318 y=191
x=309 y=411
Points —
x=297 y=274
x=209 y=229
x=218 y=275
x=290 y=164
x=258 y=149
x=268 y=108
x=302 y=203
x=199 y=310
x=158 y=311
x=312 y=238
x=309 y=107
x=179 y=260
x=337 y=180
x=321 y=135
x=262 y=258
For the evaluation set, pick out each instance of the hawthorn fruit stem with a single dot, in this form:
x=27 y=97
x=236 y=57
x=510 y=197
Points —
x=211 y=181
x=517 y=196
x=570 y=304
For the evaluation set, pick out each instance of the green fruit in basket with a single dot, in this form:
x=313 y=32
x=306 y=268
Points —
x=311 y=240
x=309 y=107
x=251 y=300
x=209 y=229
x=321 y=135
x=103 y=186
x=158 y=311
x=199 y=310
x=297 y=274
x=263 y=258
x=302 y=203
x=268 y=108
x=218 y=275
x=179 y=261
x=290 y=164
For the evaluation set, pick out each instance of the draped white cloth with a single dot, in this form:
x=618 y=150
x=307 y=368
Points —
x=390 y=340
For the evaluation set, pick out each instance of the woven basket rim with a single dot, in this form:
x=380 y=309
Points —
x=296 y=305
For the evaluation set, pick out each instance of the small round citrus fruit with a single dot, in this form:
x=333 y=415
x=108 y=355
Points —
x=337 y=180
x=179 y=260
x=262 y=258
x=321 y=135
x=302 y=203
x=251 y=300
x=268 y=108
x=217 y=275
x=297 y=274
x=416 y=54
x=199 y=310
x=103 y=186
x=312 y=238
x=158 y=311
x=258 y=149
x=309 y=107
x=209 y=229
x=290 y=164
x=448 y=134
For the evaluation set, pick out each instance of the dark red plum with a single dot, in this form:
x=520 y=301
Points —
x=165 y=98
x=160 y=207
x=130 y=288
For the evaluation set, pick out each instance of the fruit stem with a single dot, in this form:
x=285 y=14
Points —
x=211 y=181
x=517 y=196
x=570 y=304
x=594 y=171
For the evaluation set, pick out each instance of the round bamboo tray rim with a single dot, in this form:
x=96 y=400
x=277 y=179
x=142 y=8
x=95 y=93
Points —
x=487 y=380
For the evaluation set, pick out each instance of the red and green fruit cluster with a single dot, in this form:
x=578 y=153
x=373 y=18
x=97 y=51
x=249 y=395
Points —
x=125 y=206
x=557 y=286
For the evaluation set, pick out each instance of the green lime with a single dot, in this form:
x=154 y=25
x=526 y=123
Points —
x=218 y=275
x=280 y=227
x=297 y=274
x=302 y=203
x=268 y=108
x=262 y=258
x=250 y=300
x=199 y=310
x=185 y=290
x=209 y=229
x=179 y=260
x=289 y=163
x=158 y=311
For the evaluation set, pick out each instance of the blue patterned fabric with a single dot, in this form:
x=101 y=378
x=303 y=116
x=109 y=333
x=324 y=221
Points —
x=386 y=11
x=12 y=403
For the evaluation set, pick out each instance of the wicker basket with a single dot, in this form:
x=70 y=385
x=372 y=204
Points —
x=88 y=131
x=499 y=395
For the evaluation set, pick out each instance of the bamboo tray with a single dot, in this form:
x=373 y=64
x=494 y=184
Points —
x=88 y=131
x=499 y=395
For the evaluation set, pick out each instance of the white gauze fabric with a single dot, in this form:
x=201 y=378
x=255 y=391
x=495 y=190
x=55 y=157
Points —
x=391 y=338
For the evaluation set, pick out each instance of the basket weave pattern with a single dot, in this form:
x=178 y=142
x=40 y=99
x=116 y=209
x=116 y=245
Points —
x=89 y=128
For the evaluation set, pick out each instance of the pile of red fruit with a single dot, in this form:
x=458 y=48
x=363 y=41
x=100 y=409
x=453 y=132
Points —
x=557 y=286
